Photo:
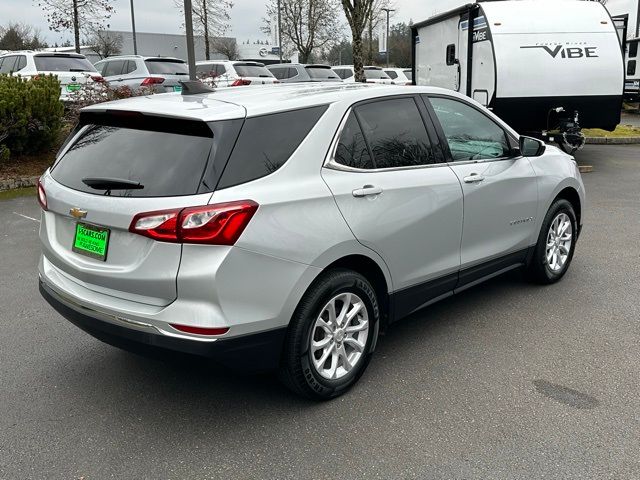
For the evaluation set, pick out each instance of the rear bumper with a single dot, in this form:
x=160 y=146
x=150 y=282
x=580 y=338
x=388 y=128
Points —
x=255 y=352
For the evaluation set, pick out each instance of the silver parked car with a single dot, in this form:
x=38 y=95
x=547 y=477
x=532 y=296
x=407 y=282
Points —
x=283 y=227
x=226 y=73
x=160 y=74
x=298 y=72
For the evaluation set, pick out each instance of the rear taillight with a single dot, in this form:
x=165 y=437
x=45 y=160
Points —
x=218 y=224
x=240 y=81
x=97 y=78
x=200 y=330
x=151 y=81
x=42 y=196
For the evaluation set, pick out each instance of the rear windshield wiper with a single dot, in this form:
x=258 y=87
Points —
x=103 y=183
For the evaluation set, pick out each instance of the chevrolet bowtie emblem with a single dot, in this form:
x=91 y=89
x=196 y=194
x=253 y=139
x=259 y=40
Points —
x=77 y=213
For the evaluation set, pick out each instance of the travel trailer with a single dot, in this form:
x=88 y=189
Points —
x=632 y=81
x=547 y=69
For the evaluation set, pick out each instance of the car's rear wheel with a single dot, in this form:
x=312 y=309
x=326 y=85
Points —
x=331 y=336
x=556 y=243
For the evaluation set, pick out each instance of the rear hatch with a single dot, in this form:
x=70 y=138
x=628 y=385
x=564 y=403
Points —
x=73 y=71
x=254 y=73
x=117 y=166
x=322 y=73
x=172 y=70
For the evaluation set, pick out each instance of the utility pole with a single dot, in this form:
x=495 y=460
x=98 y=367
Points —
x=279 y=32
x=388 y=10
x=188 y=25
x=133 y=29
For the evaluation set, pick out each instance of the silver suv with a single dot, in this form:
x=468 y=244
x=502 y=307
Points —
x=282 y=227
x=159 y=74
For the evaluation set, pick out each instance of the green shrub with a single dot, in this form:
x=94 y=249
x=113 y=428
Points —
x=30 y=113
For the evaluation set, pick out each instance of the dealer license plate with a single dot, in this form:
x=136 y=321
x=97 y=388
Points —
x=91 y=241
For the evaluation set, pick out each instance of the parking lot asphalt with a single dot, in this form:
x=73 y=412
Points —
x=508 y=380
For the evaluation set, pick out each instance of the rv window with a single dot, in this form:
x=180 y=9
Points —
x=451 y=54
x=352 y=150
x=395 y=133
x=471 y=135
x=633 y=49
x=631 y=67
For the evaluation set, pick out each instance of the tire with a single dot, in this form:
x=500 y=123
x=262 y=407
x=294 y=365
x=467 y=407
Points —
x=541 y=269
x=299 y=369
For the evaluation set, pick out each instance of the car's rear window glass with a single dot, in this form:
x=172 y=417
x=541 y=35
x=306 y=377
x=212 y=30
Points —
x=167 y=67
x=166 y=164
x=396 y=133
x=252 y=71
x=266 y=142
x=375 y=74
x=319 y=73
x=352 y=150
x=59 y=63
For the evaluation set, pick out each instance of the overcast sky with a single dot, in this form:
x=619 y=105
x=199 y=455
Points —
x=246 y=15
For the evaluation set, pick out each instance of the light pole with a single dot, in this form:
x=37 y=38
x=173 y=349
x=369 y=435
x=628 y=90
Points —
x=188 y=25
x=388 y=10
x=133 y=29
x=279 y=33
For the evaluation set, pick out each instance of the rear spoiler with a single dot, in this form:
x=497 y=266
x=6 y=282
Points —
x=142 y=121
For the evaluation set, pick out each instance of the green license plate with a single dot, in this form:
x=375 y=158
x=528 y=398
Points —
x=91 y=241
x=73 y=87
x=177 y=88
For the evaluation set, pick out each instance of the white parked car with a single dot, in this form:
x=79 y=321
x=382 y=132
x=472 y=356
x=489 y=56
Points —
x=399 y=76
x=226 y=73
x=371 y=73
x=158 y=74
x=72 y=69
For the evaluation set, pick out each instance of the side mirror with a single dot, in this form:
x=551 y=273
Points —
x=531 y=147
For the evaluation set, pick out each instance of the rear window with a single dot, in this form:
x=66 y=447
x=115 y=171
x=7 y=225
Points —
x=408 y=74
x=322 y=73
x=167 y=67
x=60 y=63
x=166 y=164
x=252 y=70
x=266 y=143
x=375 y=74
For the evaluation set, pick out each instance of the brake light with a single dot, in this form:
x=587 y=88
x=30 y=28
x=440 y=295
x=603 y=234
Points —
x=42 y=196
x=151 y=81
x=200 y=330
x=240 y=81
x=217 y=224
x=97 y=78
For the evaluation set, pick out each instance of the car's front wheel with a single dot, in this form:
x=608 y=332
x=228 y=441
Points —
x=556 y=243
x=331 y=336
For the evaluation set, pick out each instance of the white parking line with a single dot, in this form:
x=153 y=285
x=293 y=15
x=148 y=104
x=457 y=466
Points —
x=27 y=217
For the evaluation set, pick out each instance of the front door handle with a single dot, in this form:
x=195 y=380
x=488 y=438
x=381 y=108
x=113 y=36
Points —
x=473 y=178
x=367 y=190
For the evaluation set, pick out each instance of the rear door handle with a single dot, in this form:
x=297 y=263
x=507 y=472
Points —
x=367 y=190
x=473 y=178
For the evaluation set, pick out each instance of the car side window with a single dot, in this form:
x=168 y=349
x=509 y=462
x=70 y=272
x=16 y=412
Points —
x=261 y=148
x=8 y=64
x=631 y=67
x=280 y=73
x=292 y=72
x=130 y=66
x=220 y=70
x=114 y=67
x=352 y=150
x=471 y=135
x=633 y=49
x=393 y=75
x=22 y=62
x=396 y=133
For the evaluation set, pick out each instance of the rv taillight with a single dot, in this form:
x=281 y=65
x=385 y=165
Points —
x=217 y=224
x=240 y=81
x=42 y=196
x=151 y=81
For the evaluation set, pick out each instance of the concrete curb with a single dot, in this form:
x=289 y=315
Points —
x=19 y=182
x=613 y=140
